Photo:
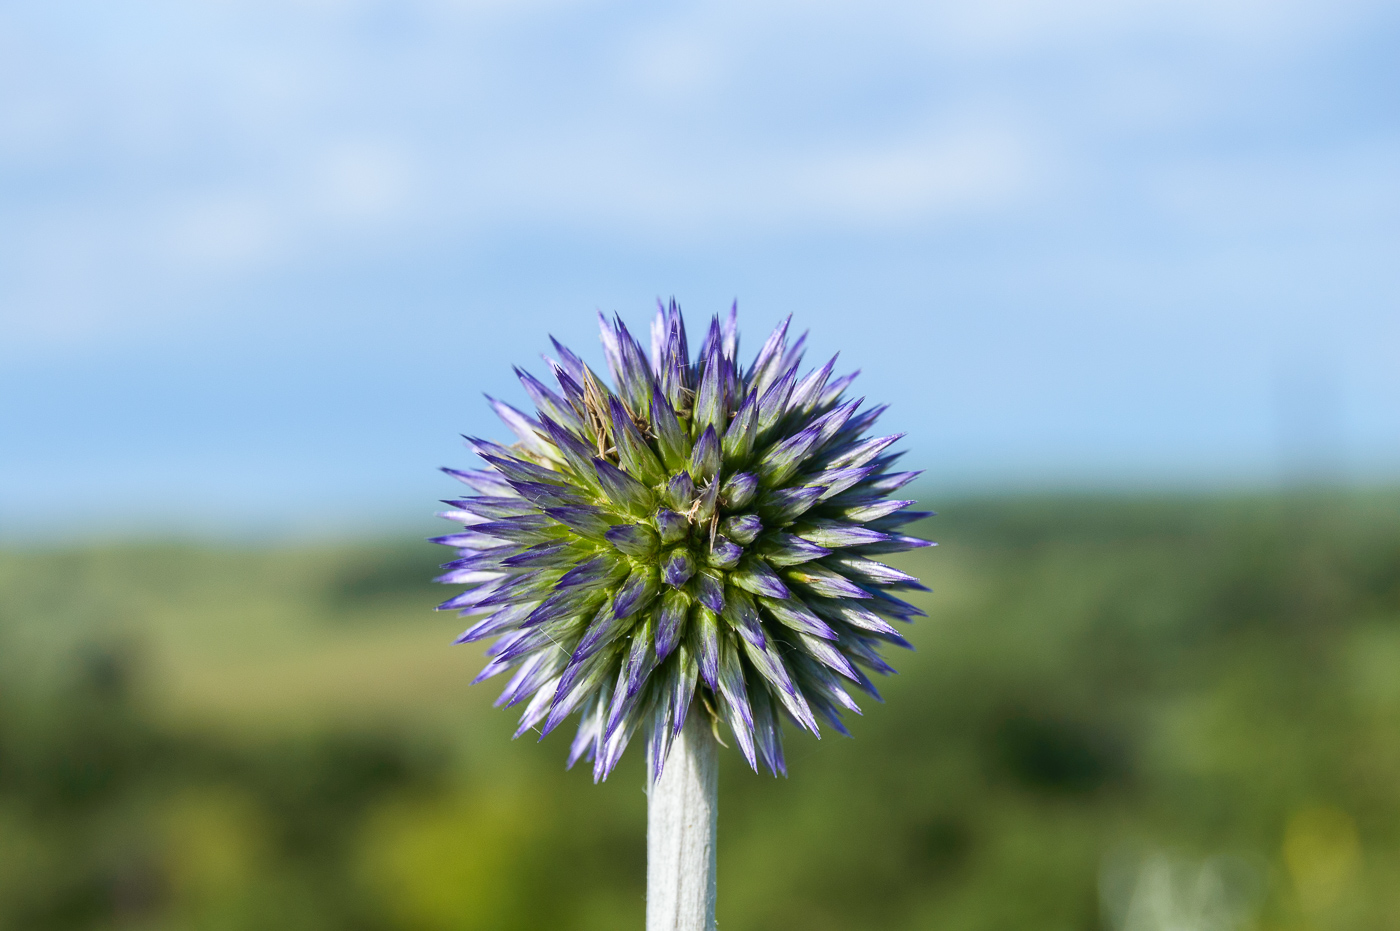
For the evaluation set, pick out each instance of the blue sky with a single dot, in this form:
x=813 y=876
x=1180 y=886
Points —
x=259 y=260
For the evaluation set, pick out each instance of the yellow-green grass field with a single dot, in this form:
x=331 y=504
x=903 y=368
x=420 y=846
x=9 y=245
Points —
x=1121 y=713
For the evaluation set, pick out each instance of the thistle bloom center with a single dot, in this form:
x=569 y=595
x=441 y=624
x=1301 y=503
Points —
x=693 y=530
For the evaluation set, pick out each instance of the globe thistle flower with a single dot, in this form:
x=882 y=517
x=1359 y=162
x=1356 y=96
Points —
x=694 y=534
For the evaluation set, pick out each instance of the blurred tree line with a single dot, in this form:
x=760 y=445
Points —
x=1124 y=714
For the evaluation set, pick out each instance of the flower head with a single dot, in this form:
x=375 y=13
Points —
x=694 y=533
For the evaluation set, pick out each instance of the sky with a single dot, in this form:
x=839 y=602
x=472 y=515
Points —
x=259 y=261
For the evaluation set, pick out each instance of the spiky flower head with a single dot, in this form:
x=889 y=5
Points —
x=694 y=534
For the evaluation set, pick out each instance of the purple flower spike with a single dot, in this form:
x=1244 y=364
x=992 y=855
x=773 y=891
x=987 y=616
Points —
x=670 y=622
x=738 y=490
x=705 y=457
x=672 y=526
x=680 y=492
x=709 y=589
x=742 y=528
x=696 y=536
x=725 y=553
x=634 y=539
x=678 y=568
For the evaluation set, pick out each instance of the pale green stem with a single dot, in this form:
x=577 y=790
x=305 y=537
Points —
x=682 y=812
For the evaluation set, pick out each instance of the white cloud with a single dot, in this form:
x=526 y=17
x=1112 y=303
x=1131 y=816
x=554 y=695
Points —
x=362 y=182
x=220 y=233
x=1347 y=192
x=674 y=63
x=959 y=173
x=255 y=135
x=1010 y=27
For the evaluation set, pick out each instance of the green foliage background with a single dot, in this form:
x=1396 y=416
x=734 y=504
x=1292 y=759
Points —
x=1116 y=705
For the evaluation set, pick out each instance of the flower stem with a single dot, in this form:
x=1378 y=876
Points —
x=682 y=810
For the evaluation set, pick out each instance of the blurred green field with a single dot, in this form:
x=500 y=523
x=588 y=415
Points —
x=1123 y=713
